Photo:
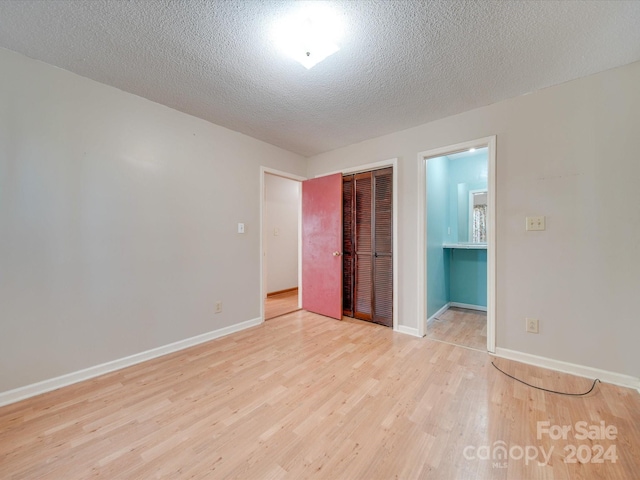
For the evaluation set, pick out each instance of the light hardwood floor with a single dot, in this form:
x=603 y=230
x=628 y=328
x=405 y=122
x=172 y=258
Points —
x=304 y=396
x=460 y=326
x=280 y=304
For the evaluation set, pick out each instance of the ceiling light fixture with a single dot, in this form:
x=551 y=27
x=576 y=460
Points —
x=310 y=35
x=471 y=150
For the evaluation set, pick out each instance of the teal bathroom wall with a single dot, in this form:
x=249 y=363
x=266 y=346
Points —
x=467 y=268
x=468 y=277
x=464 y=174
x=437 y=223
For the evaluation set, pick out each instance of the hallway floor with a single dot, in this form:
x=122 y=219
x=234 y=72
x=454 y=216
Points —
x=281 y=304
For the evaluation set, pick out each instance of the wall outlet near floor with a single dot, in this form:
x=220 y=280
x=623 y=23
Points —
x=218 y=306
x=532 y=325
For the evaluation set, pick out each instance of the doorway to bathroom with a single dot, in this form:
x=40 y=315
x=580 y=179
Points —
x=459 y=251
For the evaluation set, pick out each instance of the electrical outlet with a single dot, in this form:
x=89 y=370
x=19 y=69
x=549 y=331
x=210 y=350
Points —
x=218 y=306
x=532 y=325
x=535 y=224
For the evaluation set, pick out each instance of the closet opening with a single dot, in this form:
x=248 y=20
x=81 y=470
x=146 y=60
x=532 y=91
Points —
x=368 y=246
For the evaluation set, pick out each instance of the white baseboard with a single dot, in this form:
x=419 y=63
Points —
x=408 y=330
x=438 y=313
x=44 y=386
x=572 y=368
x=468 y=306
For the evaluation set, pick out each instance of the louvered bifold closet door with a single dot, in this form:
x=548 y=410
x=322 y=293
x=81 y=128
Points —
x=363 y=245
x=383 y=247
x=348 y=256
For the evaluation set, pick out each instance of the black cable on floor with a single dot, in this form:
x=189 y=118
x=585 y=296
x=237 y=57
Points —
x=546 y=390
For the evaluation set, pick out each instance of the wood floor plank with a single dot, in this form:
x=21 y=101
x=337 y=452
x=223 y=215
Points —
x=304 y=396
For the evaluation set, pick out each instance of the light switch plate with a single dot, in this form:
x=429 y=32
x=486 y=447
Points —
x=535 y=224
x=241 y=228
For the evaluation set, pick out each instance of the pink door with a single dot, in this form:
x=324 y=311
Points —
x=322 y=245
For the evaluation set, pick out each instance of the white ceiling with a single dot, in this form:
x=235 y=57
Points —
x=402 y=63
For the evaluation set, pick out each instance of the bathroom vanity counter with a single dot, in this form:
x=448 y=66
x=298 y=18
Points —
x=466 y=246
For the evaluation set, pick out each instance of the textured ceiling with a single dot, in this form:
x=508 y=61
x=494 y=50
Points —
x=402 y=63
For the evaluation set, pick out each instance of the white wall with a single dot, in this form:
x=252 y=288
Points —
x=568 y=152
x=282 y=205
x=117 y=223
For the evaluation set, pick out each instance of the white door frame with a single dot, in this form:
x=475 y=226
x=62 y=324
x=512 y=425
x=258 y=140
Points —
x=423 y=157
x=393 y=163
x=263 y=247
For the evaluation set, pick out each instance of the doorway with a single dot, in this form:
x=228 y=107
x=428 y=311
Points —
x=280 y=240
x=457 y=238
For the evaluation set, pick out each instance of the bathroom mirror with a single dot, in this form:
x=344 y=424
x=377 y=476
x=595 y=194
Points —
x=470 y=198
x=477 y=214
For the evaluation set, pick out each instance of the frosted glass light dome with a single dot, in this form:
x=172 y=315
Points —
x=309 y=35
